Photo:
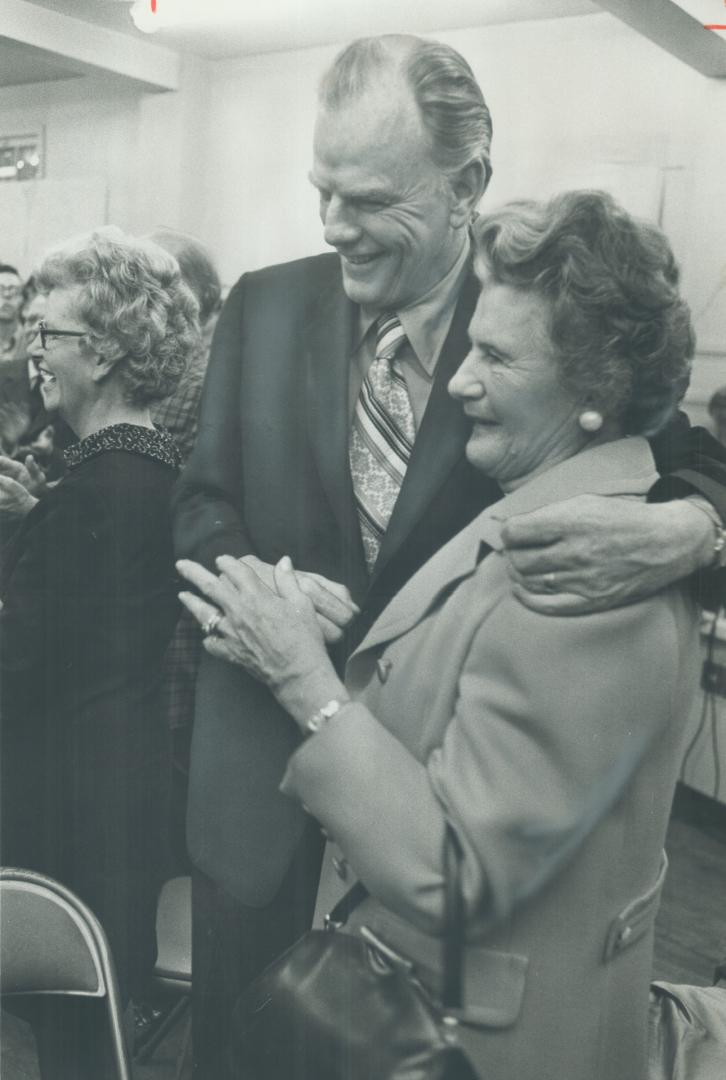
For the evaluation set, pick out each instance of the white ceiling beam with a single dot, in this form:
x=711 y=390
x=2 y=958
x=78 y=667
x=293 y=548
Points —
x=153 y=66
x=668 y=25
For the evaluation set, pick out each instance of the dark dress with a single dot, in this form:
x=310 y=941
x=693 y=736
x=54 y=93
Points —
x=89 y=604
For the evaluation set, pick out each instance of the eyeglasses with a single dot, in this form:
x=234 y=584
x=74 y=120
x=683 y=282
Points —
x=45 y=333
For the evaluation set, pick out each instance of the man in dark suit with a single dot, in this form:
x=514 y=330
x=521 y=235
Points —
x=295 y=456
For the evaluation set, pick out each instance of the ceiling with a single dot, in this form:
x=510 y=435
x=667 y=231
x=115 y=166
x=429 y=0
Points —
x=21 y=64
x=260 y=26
x=222 y=29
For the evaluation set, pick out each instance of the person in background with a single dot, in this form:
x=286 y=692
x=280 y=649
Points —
x=31 y=311
x=550 y=746
x=717 y=412
x=88 y=607
x=12 y=342
x=178 y=414
x=14 y=420
x=45 y=435
x=326 y=433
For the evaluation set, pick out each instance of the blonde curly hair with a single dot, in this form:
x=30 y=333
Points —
x=134 y=302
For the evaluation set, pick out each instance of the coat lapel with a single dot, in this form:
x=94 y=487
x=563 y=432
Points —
x=455 y=561
x=440 y=440
x=622 y=468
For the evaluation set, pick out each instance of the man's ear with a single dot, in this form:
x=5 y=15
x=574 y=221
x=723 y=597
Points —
x=467 y=188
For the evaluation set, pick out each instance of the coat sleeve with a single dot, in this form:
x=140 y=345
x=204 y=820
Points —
x=692 y=462
x=552 y=717
x=207 y=504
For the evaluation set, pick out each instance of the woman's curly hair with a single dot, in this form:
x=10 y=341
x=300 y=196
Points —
x=133 y=300
x=622 y=332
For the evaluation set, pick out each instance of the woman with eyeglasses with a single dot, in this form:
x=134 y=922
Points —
x=88 y=593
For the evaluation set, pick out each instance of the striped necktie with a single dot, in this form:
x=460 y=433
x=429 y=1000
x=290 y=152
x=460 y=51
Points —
x=381 y=438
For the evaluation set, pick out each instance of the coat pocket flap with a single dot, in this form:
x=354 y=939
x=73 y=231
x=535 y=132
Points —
x=493 y=987
x=493 y=981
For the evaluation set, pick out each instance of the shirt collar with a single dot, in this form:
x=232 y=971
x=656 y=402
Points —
x=427 y=322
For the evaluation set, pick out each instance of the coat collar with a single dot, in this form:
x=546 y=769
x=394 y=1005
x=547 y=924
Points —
x=624 y=467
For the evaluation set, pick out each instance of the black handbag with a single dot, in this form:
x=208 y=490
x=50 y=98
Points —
x=339 y=1006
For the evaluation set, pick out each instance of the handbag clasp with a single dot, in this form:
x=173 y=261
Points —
x=382 y=955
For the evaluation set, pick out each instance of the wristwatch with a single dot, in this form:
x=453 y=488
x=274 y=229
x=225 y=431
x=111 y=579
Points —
x=322 y=715
x=719 y=550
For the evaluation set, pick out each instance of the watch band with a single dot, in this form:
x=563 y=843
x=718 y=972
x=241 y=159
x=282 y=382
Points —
x=719 y=549
x=322 y=715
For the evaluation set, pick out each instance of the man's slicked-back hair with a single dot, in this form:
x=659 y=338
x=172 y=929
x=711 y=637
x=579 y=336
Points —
x=449 y=99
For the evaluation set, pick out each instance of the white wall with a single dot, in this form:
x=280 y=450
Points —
x=113 y=154
x=575 y=101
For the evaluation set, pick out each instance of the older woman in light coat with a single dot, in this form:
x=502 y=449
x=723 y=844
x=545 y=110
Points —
x=550 y=744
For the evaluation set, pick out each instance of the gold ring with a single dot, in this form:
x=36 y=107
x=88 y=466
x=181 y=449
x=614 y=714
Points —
x=209 y=626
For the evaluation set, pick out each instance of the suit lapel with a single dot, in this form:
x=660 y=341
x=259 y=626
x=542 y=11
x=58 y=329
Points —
x=440 y=440
x=327 y=346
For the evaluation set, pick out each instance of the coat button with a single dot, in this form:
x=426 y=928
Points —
x=384 y=666
x=341 y=867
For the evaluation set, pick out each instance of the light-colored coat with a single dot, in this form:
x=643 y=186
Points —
x=552 y=745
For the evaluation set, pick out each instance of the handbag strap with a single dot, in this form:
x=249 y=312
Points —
x=452 y=966
x=346 y=905
x=454 y=921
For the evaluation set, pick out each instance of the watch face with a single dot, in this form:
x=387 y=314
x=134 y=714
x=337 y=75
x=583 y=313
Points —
x=719 y=550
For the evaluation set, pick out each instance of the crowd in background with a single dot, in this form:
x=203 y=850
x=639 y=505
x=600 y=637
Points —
x=103 y=355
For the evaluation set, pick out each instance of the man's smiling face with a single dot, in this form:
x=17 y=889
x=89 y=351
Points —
x=385 y=206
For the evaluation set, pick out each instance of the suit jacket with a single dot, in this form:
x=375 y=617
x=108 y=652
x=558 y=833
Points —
x=552 y=745
x=270 y=476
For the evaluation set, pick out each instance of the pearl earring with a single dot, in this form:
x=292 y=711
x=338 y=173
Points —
x=590 y=420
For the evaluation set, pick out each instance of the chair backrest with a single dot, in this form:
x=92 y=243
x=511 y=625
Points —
x=174 y=936
x=52 y=943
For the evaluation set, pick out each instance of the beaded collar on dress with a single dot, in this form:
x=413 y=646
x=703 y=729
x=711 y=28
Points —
x=156 y=444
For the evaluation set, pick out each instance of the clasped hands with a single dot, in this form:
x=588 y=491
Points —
x=21 y=484
x=584 y=554
x=275 y=623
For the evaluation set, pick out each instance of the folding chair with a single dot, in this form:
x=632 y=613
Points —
x=52 y=943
